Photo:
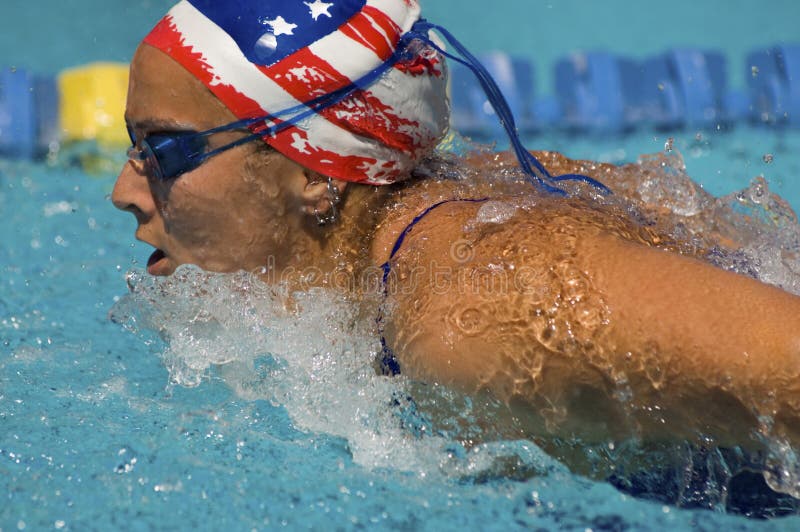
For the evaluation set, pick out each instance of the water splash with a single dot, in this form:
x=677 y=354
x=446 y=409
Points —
x=782 y=471
x=310 y=353
x=769 y=234
x=753 y=232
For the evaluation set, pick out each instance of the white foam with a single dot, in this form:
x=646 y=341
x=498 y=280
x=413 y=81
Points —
x=59 y=207
x=317 y=361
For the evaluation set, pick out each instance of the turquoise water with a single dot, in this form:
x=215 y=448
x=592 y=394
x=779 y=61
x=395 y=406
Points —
x=94 y=437
x=283 y=430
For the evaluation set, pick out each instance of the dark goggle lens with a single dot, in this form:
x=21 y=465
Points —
x=177 y=153
x=168 y=156
x=131 y=136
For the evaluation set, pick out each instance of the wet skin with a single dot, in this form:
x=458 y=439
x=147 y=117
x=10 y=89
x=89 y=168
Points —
x=699 y=351
x=605 y=336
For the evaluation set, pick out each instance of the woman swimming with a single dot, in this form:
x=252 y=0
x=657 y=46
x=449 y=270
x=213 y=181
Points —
x=295 y=139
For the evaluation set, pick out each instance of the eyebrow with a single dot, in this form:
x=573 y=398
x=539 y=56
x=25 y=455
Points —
x=159 y=124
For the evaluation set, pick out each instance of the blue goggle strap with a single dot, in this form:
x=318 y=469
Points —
x=534 y=169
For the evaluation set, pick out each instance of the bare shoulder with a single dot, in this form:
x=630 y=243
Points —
x=482 y=291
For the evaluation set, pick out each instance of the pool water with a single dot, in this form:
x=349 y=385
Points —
x=104 y=424
x=128 y=402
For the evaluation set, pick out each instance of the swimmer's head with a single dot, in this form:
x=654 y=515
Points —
x=229 y=201
x=367 y=103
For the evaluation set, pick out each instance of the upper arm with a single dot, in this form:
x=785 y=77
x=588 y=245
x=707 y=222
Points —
x=492 y=305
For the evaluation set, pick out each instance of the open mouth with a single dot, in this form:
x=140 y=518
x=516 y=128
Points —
x=157 y=263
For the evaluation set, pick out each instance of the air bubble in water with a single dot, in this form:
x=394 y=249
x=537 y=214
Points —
x=768 y=158
x=669 y=145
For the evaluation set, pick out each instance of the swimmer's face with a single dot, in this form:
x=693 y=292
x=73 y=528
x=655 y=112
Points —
x=233 y=212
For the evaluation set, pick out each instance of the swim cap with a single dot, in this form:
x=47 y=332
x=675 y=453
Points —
x=263 y=56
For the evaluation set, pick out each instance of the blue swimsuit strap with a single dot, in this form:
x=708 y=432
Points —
x=388 y=362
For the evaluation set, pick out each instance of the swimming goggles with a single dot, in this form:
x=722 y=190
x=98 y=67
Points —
x=168 y=155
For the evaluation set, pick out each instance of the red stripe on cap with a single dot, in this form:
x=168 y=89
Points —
x=364 y=114
x=393 y=31
x=331 y=164
x=167 y=38
x=306 y=76
x=373 y=29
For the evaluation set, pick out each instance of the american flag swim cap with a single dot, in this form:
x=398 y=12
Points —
x=263 y=56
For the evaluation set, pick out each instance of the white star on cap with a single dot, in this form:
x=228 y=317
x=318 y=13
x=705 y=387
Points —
x=281 y=27
x=319 y=8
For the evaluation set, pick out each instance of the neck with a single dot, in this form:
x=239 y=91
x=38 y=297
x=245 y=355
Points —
x=335 y=255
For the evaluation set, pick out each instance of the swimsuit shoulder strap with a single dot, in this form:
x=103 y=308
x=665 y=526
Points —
x=388 y=362
x=387 y=266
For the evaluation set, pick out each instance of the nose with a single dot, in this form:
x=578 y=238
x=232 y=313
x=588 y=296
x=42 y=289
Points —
x=132 y=193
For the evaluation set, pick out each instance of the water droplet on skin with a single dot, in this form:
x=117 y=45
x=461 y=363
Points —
x=470 y=321
x=495 y=212
x=768 y=158
x=758 y=192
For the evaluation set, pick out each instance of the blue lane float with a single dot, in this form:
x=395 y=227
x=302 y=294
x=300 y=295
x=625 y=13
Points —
x=773 y=76
x=17 y=114
x=28 y=113
x=472 y=114
x=598 y=92
x=46 y=108
x=685 y=88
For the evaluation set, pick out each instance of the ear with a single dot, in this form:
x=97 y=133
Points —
x=315 y=195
